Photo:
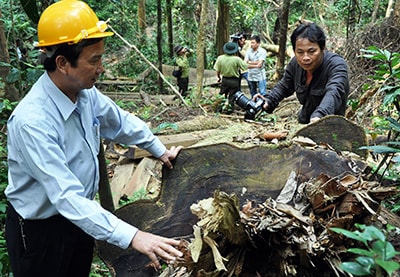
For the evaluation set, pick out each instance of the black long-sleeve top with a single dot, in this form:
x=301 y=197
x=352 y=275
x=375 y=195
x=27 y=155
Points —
x=326 y=94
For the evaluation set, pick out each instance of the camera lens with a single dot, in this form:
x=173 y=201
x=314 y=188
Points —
x=241 y=100
x=251 y=108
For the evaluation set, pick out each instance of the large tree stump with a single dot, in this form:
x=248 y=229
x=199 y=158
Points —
x=337 y=131
x=254 y=173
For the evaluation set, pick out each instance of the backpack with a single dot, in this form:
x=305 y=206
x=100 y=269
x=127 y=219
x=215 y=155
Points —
x=177 y=73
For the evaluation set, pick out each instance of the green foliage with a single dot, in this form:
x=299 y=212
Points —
x=4 y=260
x=165 y=126
x=378 y=253
x=16 y=22
x=17 y=26
x=126 y=105
x=246 y=16
x=120 y=16
x=353 y=103
x=145 y=113
x=387 y=76
x=388 y=72
x=138 y=195
x=5 y=109
x=393 y=203
x=24 y=77
x=99 y=269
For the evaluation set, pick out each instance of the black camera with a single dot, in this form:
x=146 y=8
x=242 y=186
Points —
x=252 y=108
x=235 y=38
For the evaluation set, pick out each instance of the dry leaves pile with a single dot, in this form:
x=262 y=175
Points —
x=286 y=236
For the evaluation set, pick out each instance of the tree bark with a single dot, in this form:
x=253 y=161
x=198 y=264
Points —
x=170 y=28
x=142 y=15
x=200 y=171
x=223 y=24
x=283 y=19
x=396 y=10
x=200 y=52
x=389 y=8
x=159 y=43
x=375 y=11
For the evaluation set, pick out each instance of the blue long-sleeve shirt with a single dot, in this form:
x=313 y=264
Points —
x=52 y=157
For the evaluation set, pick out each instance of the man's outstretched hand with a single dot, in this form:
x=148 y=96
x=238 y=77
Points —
x=169 y=155
x=156 y=247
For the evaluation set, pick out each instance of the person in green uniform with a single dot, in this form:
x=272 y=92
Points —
x=183 y=64
x=228 y=67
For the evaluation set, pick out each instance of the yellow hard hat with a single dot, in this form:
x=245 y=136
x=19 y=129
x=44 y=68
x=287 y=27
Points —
x=69 y=21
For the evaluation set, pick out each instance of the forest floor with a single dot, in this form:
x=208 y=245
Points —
x=212 y=127
x=169 y=116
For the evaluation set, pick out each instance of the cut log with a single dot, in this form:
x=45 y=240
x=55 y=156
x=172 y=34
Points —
x=338 y=132
x=144 y=177
x=256 y=172
x=122 y=175
x=168 y=140
x=136 y=97
x=129 y=178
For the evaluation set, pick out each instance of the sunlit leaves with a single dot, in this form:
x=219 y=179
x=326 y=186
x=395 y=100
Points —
x=377 y=254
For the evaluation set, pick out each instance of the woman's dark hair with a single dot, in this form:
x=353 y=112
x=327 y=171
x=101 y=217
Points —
x=70 y=51
x=310 y=31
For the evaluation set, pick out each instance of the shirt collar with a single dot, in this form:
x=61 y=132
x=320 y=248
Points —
x=62 y=102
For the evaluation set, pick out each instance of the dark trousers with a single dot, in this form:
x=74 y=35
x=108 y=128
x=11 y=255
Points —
x=52 y=247
x=183 y=85
x=229 y=86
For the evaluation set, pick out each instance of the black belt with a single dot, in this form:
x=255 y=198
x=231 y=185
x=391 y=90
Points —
x=230 y=77
x=13 y=214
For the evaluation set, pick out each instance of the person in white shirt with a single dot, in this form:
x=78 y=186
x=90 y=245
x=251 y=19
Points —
x=54 y=137
x=255 y=58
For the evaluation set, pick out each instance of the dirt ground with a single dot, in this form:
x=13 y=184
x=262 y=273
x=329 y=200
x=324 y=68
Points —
x=233 y=128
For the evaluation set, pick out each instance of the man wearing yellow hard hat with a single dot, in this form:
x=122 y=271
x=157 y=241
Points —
x=53 y=142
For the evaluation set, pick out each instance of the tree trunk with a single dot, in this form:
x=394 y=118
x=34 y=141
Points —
x=200 y=51
x=354 y=15
x=9 y=91
x=223 y=24
x=142 y=15
x=170 y=28
x=396 y=11
x=389 y=8
x=283 y=20
x=189 y=17
x=375 y=11
x=159 y=43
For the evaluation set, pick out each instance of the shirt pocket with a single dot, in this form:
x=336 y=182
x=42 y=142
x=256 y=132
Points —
x=301 y=93
x=317 y=92
x=316 y=96
x=95 y=140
